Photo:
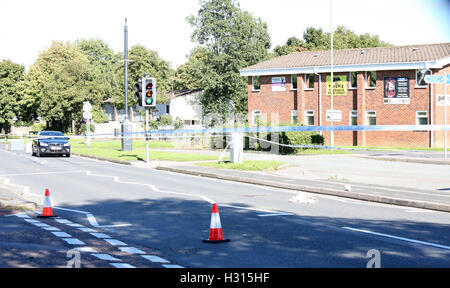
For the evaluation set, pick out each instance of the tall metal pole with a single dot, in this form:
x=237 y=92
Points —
x=332 y=73
x=126 y=67
x=445 y=115
x=146 y=136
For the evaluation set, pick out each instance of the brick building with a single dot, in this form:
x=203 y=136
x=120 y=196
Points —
x=372 y=86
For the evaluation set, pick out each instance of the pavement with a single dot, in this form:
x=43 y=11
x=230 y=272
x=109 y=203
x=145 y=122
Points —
x=293 y=177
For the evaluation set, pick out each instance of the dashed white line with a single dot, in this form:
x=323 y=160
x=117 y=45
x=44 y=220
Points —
x=105 y=257
x=62 y=234
x=73 y=241
x=172 y=266
x=115 y=242
x=100 y=235
x=398 y=238
x=155 y=259
x=122 y=265
x=131 y=250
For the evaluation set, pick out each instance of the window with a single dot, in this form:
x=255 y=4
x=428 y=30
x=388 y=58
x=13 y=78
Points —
x=309 y=117
x=309 y=81
x=294 y=116
x=256 y=117
x=256 y=85
x=422 y=118
x=420 y=78
x=353 y=83
x=294 y=82
x=371 y=118
x=353 y=117
x=371 y=79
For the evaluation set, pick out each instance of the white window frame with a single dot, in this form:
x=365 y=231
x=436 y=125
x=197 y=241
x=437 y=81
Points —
x=309 y=113
x=367 y=82
x=306 y=86
x=294 y=113
x=368 y=116
x=421 y=87
x=253 y=116
x=421 y=116
x=253 y=84
x=353 y=114
x=350 y=81
x=292 y=82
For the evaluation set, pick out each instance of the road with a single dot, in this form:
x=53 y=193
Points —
x=157 y=213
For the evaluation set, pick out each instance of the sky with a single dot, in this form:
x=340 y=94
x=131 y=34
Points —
x=28 y=27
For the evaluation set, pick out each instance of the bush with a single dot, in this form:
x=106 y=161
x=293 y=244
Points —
x=299 y=138
x=286 y=138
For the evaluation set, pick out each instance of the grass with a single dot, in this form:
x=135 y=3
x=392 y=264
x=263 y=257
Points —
x=249 y=165
x=321 y=151
x=112 y=150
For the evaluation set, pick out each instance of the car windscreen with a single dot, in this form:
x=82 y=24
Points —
x=49 y=134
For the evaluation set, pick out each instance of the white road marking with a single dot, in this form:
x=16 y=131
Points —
x=398 y=238
x=62 y=234
x=115 y=242
x=87 y=230
x=100 y=235
x=155 y=259
x=86 y=249
x=51 y=228
x=73 y=241
x=63 y=221
x=270 y=212
x=172 y=266
x=122 y=265
x=105 y=257
x=131 y=250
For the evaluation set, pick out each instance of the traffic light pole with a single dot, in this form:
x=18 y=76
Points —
x=146 y=136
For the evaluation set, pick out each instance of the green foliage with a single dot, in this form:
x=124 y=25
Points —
x=231 y=39
x=299 y=138
x=146 y=61
x=10 y=74
x=316 y=39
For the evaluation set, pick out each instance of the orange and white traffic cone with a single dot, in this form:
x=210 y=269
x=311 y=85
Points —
x=47 y=211
x=215 y=230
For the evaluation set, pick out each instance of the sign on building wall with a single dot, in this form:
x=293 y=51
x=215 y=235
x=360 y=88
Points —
x=337 y=115
x=440 y=100
x=396 y=90
x=339 y=85
x=278 y=84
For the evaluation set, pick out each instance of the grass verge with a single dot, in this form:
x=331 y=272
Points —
x=249 y=165
x=111 y=150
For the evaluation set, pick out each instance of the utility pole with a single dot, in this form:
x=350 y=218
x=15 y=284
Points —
x=126 y=125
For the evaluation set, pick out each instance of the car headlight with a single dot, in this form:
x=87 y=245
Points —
x=44 y=144
x=67 y=145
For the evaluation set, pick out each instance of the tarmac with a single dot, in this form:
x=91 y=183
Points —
x=289 y=179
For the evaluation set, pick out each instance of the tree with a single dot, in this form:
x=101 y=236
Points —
x=58 y=83
x=316 y=39
x=230 y=39
x=10 y=74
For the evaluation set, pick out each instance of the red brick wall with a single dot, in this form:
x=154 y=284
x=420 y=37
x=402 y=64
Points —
x=269 y=102
x=360 y=99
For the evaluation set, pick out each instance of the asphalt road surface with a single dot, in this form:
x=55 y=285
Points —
x=152 y=218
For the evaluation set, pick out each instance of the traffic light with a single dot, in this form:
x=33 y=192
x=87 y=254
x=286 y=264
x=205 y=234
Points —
x=138 y=94
x=149 y=92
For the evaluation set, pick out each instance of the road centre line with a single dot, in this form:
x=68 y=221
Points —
x=397 y=238
x=42 y=173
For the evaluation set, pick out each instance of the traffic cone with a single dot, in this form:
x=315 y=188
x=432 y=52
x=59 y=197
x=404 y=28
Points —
x=47 y=210
x=215 y=230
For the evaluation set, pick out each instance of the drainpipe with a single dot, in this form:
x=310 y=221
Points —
x=431 y=107
x=320 y=98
